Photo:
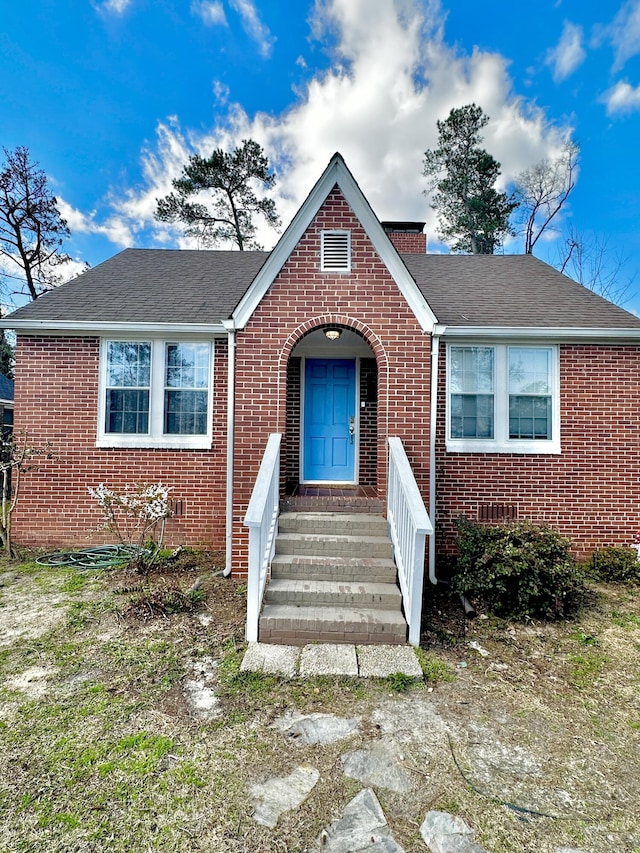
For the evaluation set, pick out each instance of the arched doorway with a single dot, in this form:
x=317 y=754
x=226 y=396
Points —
x=331 y=436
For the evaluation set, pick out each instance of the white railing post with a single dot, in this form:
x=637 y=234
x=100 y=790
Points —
x=409 y=526
x=262 y=520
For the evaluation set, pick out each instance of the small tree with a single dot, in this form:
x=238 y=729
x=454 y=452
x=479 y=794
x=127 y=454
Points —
x=228 y=181
x=17 y=456
x=133 y=516
x=542 y=191
x=32 y=231
x=472 y=215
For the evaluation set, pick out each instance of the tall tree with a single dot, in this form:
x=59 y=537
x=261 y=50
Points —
x=589 y=259
x=472 y=215
x=543 y=189
x=32 y=231
x=228 y=180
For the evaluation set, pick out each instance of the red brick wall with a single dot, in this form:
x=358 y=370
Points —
x=591 y=492
x=415 y=244
x=302 y=298
x=291 y=439
x=57 y=400
x=368 y=465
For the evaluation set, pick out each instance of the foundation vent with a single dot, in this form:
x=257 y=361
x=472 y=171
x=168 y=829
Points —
x=497 y=512
x=177 y=507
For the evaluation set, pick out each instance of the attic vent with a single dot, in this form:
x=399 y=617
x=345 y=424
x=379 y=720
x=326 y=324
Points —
x=497 y=512
x=336 y=251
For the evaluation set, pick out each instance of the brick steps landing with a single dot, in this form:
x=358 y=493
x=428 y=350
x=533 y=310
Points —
x=332 y=581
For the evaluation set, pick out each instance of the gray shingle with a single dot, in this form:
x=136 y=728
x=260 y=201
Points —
x=152 y=286
x=510 y=290
x=182 y=286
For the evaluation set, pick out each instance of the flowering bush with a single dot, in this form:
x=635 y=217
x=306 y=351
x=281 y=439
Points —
x=133 y=516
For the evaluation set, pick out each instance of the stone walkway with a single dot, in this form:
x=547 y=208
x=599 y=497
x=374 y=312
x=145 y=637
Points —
x=362 y=824
x=331 y=659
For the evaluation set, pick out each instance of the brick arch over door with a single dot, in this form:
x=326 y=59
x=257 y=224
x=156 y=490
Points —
x=373 y=389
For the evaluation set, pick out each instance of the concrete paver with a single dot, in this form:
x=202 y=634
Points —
x=331 y=659
x=271 y=659
x=381 y=661
x=328 y=659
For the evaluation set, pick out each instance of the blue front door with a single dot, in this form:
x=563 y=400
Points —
x=329 y=420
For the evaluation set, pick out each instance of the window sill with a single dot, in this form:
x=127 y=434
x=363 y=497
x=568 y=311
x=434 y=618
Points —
x=146 y=442
x=538 y=448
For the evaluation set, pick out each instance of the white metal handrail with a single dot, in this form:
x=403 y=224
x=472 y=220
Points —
x=409 y=525
x=262 y=520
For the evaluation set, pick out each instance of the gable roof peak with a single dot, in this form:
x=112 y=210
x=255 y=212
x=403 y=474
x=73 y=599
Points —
x=336 y=173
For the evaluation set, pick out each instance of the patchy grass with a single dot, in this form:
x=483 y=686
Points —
x=99 y=750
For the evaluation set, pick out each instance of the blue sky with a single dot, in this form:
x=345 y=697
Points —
x=111 y=96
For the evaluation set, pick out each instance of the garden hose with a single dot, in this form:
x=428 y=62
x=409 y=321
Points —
x=101 y=557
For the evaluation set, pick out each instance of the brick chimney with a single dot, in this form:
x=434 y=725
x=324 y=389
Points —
x=407 y=237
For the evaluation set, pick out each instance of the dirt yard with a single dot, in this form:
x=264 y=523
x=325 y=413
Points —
x=126 y=725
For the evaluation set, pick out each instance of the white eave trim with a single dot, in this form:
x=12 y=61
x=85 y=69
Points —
x=85 y=328
x=543 y=333
x=335 y=173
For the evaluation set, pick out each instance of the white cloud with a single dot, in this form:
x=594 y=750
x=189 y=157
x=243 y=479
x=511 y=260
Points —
x=253 y=26
x=118 y=7
x=115 y=228
x=622 y=98
x=392 y=76
x=568 y=53
x=211 y=11
x=624 y=33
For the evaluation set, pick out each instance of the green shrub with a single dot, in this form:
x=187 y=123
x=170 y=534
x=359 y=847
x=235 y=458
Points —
x=615 y=565
x=520 y=569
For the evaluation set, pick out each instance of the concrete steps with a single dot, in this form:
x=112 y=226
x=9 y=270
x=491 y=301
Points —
x=333 y=580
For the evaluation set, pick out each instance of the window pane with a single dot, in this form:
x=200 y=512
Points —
x=471 y=370
x=128 y=364
x=471 y=416
x=529 y=369
x=187 y=366
x=127 y=411
x=529 y=417
x=127 y=392
x=185 y=408
x=185 y=412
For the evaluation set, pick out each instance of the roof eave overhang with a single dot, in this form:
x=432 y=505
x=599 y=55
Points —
x=335 y=173
x=70 y=327
x=555 y=333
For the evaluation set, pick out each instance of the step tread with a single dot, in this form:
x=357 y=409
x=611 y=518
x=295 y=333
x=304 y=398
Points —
x=332 y=568
x=347 y=586
x=322 y=536
x=330 y=560
x=343 y=615
x=358 y=517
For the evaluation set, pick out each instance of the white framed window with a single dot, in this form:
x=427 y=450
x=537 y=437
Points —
x=155 y=393
x=503 y=398
x=335 y=251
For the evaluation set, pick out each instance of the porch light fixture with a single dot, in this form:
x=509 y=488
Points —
x=332 y=334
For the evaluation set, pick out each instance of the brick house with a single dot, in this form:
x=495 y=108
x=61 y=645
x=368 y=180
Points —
x=508 y=390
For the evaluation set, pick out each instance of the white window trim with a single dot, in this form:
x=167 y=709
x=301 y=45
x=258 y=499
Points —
x=335 y=269
x=155 y=436
x=501 y=443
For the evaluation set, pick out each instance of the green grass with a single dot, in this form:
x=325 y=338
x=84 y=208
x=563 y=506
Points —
x=435 y=670
x=585 y=668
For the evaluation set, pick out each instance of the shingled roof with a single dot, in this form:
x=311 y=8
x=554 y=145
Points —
x=510 y=291
x=204 y=287
x=151 y=286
